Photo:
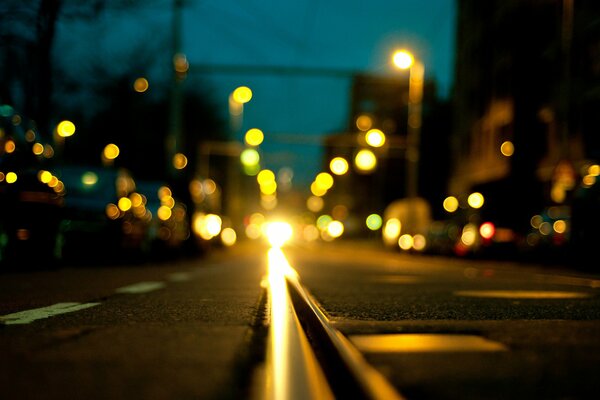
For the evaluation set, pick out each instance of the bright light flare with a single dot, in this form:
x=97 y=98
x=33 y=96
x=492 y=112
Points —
x=403 y=59
x=278 y=233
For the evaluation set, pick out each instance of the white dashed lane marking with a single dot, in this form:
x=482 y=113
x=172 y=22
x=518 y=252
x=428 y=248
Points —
x=141 y=287
x=28 y=316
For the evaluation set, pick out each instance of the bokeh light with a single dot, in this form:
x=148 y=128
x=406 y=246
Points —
x=338 y=165
x=375 y=138
x=365 y=160
x=111 y=151
x=475 y=200
x=403 y=59
x=140 y=85
x=180 y=161
x=254 y=137
x=242 y=94
x=65 y=128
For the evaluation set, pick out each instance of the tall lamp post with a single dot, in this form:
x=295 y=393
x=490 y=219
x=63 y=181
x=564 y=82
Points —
x=405 y=60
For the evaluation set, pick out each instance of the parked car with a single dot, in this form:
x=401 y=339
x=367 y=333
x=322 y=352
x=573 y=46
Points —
x=169 y=226
x=103 y=216
x=30 y=212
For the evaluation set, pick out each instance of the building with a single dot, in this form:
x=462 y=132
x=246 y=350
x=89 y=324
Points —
x=525 y=103
x=381 y=102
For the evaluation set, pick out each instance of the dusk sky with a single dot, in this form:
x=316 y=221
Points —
x=294 y=111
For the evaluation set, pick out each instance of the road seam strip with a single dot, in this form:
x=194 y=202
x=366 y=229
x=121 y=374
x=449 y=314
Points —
x=348 y=373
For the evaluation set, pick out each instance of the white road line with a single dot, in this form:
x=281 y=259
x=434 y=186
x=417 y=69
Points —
x=141 y=287
x=28 y=316
x=179 y=277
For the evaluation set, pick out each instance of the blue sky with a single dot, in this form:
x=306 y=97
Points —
x=294 y=111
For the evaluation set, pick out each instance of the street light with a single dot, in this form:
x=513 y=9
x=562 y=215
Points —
x=405 y=60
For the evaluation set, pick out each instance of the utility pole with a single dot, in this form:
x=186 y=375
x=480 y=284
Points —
x=180 y=67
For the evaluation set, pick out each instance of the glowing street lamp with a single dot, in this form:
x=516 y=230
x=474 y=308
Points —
x=237 y=98
x=404 y=60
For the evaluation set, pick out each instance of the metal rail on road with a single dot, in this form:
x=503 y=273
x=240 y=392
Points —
x=324 y=367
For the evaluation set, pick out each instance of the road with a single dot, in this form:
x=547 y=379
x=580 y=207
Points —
x=429 y=327
x=440 y=328
x=177 y=330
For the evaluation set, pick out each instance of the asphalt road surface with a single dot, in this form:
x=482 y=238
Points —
x=443 y=328
x=434 y=327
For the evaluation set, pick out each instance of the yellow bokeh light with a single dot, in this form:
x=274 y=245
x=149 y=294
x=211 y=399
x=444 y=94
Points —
x=254 y=137
x=207 y=226
x=469 y=235
x=164 y=213
x=310 y=233
x=136 y=199
x=140 y=85
x=323 y=221
x=180 y=63
x=338 y=165
x=405 y=242
x=112 y=211
x=268 y=188
x=38 y=149
x=265 y=176
x=475 y=200
x=324 y=180
x=317 y=190
x=375 y=138
x=315 y=203
x=9 y=146
x=365 y=160
x=167 y=201
x=11 y=177
x=392 y=229
x=588 y=180
x=180 y=161
x=111 y=151
x=403 y=59
x=228 y=237
x=536 y=221
x=560 y=226
x=364 y=122
x=44 y=176
x=124 y=203
x=253 y=231
x=89 y=178
x=242 y=94
x=374 y=222
x=53 y=182
x=249 y=157
x=507 y=148
x=419 y=242
x=335 y=229
x=65 y=128
x=450 y=204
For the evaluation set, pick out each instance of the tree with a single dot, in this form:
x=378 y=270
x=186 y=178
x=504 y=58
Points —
x=26 y=71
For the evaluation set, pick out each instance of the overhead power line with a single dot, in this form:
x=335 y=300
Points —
x=272 y=70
